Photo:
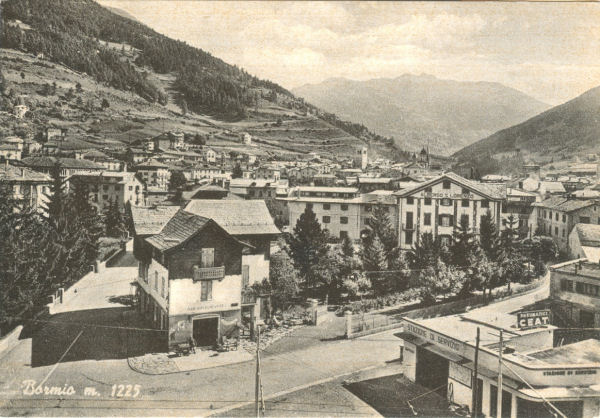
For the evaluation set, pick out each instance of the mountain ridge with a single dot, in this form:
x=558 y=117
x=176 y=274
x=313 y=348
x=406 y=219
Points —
x=421 y=109
x=562 y=132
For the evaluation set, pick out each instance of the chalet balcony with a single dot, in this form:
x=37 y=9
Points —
x=209 y=273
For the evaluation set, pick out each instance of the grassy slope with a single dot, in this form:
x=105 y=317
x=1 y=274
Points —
x=130 y=118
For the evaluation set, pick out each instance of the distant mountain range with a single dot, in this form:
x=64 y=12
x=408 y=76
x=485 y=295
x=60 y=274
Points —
x=421 y=109
x=559 y=133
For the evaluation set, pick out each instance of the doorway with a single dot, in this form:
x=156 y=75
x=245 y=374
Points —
x=432 y=371
x=206 y=331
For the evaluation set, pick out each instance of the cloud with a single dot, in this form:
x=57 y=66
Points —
x=547 y=50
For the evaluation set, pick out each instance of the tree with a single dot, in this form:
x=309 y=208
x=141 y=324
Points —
x=375 y=265
x=283 y=281
x=440 y=280
x=308 y=245
x=464 y=246
x=237 y=172
x=426 y=252
x=78 y=87
x=381 y=227
x=113 y=220
x=22 y=75
x=105 y=104
x=176 y=183
x=488 y=236
x=57 y=195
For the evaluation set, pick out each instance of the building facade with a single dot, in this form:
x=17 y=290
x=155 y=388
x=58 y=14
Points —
x=439 y=205
x=27 y=186
x=154 y=174
x=575 y=293
x=556 y=216
x=109 y=186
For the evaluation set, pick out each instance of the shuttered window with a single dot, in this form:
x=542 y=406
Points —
x=208 y=257
x=245 y=276
x=206 y=290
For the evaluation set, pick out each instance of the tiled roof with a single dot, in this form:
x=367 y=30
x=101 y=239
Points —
x=237 y=217
x=49 y=162
x=151 y=220
x=151 y=164
x=589 y=234
x=552 y=186
x=23 y=174
x=493 y=191
x=181 y=227
x=563 y=204
x=123 y=177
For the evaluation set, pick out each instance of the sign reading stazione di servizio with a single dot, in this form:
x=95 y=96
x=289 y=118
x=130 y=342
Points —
x=532 y=319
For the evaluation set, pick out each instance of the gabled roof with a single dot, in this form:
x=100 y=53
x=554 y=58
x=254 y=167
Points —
x=589 y=234
x=151 y=164
x=151 y=220
x=180 y=228
x=237 y=217
x=563 y=204
x=49 y=162
x=10 y=173
x=491 y=191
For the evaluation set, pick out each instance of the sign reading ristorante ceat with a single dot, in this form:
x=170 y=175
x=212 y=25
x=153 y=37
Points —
x=434 y=337
x=532 y=319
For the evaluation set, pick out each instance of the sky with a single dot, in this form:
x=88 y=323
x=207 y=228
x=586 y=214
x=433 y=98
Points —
x=547 y=50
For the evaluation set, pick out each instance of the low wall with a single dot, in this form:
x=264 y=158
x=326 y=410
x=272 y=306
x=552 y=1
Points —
x=10 y=340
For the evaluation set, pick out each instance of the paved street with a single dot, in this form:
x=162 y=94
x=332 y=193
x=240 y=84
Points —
x=93 y=352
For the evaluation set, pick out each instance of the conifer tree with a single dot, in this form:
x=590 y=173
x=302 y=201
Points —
x=115 y=226
x=308 y=245
x=488 y=236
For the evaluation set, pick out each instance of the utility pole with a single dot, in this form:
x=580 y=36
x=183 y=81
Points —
x=499 y=397
x=257 y=383
x=474 y=383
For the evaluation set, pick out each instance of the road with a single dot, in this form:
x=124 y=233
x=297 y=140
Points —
x=84 y=348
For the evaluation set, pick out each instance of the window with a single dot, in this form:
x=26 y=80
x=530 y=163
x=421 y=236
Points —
x=206 y=290
x=207 y=257
x=446 y=220
x=409 y=220
x=162 y=289
x=566 y=285
x=446 y=184
x=326 y=219
x=556 y=230
x=105 y=197
x=564 y=218
x=130 y=188
x=156 y=280
x=485 y=204
x=117 y=187
x=344 y=206
x=464 y=220
x=464 y=203
x=427 y=219
x=410 y=200
x=408 y=237
x=105 y=187
x=343 y=234
x=556 y=216
x=326 y=206
x=446 y=202
x=550 y=214
x=584 y=219
x=343 y=220
x=245 y=276
x=563 y=233
x=428 y=202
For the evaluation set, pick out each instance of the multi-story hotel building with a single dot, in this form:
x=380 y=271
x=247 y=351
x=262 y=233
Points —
x=439 y=205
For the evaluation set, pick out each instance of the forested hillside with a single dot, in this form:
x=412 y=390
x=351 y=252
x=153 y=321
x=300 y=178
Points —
x=78 y=33
x=124 y=54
